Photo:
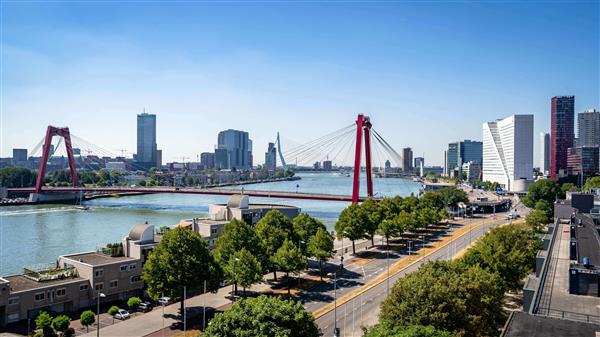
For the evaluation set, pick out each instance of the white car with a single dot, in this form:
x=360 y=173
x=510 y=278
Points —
x=122 y=314
x=164 y=300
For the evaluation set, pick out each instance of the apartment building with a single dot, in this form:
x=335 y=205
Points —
x=74 y=281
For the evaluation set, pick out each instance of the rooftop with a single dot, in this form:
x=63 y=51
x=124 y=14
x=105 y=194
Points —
x=21 y=283
x=522 y=324
x=96 y=259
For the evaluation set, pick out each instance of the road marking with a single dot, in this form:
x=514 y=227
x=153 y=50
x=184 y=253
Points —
x=405 y=264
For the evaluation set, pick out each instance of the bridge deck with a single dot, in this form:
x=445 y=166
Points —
x=192 y=190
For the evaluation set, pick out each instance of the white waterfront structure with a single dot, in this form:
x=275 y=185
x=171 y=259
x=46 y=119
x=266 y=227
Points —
x=508 y=150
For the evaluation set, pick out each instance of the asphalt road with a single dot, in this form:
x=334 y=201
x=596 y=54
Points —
x=363 y=309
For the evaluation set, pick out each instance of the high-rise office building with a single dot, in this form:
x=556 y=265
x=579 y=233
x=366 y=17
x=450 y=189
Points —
x=562 y=133
x=419 y=165
x=588 y=128
x=238 y=147
x=271 y=158
x=207 y=160
x=508 y=150
x=158 y=159
x=462 y=152
x=582 y=162
x=327 y=165
x=19 y=156
x=407 y=160
x=544 y=153
x=146 y=140
x=221 y=159
x=451 y=160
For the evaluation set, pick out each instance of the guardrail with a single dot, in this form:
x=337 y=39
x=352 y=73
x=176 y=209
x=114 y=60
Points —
x=540 y=289
x=572 y=316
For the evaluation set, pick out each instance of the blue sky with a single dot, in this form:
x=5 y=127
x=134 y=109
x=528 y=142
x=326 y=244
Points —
x=427 y=73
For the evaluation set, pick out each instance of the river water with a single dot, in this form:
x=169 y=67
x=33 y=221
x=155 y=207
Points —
x=31 y=235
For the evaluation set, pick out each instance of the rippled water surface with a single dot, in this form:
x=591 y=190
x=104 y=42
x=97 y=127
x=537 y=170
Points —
x=39 y=234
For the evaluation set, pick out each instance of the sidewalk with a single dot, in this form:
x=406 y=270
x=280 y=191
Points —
x=152 y=323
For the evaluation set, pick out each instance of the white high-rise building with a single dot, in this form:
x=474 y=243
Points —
x=508 y=151
x=544 y=153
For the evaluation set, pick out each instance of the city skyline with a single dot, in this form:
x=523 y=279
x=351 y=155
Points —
x=428 y=71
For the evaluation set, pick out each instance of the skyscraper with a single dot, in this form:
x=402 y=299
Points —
x=582 y=162
x=508 y=150
x=207 y=160
x=238 y=147
x=419 y=165
x=271 y=158
x=544 y=153
x=146 y=140
x=407 y=159
x=562 y=133
x=19 y=157
x=463 y=152
x=588 y=128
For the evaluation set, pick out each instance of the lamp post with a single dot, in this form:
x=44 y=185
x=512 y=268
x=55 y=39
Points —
x=162 y=304
x=336 y=331
x=300 y=245
x=233 y=280
x=99 y=295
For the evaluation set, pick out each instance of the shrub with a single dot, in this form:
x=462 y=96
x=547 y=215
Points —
x=61 y=323
x=133 y=302
x=113 y=310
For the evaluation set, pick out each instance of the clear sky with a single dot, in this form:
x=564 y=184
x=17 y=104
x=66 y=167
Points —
x=427 y=73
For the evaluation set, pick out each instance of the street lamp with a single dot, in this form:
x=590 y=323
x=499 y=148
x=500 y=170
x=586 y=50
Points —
x=233 y=280
x=336 y=331
x=98 y=312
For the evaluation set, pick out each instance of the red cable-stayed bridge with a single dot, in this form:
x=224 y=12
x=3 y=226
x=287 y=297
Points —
x=342 y=144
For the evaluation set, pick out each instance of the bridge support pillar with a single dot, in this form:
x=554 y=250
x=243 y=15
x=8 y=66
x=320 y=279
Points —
x=363 y=126
x=51 y=132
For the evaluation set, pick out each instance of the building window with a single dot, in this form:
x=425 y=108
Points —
x=132 y=266
x=213 y=231
x=13 y=300
x=61 y=292
x=99 y=272
x=40 y=296
x=83 y=287
x=136 y=278
x=99 y=286
x=113 y=283
x=124 y=267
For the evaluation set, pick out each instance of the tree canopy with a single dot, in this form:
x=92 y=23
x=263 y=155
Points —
x=593 y=182
x=386 y=329
x=244 y=269
x=320 y=247
x=17 y=177
x=289 y=259
x=264 y=317
x=182 y=258
x=543 y=189
x=272 y=231
x=351 y=223
x=447 y=296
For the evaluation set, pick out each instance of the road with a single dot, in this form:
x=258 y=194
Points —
x=363 y=309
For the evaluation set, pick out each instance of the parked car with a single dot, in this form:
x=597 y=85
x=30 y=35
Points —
x=164 y=300
x=144 y=307
x=122 y=314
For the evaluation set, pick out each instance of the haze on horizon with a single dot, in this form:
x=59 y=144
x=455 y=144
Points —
x=427 y=73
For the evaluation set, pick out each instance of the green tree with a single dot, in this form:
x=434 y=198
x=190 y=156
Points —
x=447 y=296
x=272 y=230
x=567 y=187
x=389 y=229
x=264 y=317
x=543 y=189
x=17 y=177
x=61 y=323
x=289 y=259
x=321 y=247
x=181 y=259
x=133 y=302
x=451 y=196
x=386 y=329
x=593 y=182
x=87 y=318
x=351 y=223
x=375 y=214
x=44 y=322
x=113 y=310
x=237 y=235
x=305 y=227
x=536 y=219
x=245 y=269
x=508 y=251
x=545 y=207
